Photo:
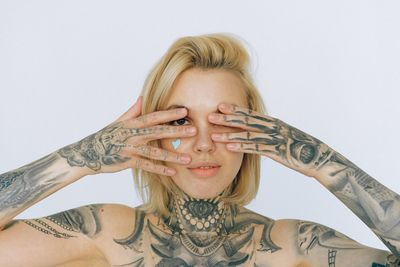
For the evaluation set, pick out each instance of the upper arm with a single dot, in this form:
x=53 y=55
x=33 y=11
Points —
x=319 y=245
x=52 y=240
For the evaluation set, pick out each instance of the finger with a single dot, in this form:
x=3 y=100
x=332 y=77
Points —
x=245 y=137
x=166 y=131
x=149 y=166
x=158 y=154
x=239 y=121
x=228 y=108
x=259 y=149
x=133 y=111
x=159 y=117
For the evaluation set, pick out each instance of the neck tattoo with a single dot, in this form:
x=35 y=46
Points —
x=198 y=223
x=199 y=215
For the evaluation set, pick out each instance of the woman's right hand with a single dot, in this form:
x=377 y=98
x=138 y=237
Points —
x=123 y=144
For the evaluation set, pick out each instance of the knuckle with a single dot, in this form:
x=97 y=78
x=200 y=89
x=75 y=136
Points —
x=154 y=151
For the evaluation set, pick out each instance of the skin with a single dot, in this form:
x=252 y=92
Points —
x=200 y=229
x=200 y=92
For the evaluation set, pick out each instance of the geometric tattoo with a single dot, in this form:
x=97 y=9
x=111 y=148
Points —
x=331 y=257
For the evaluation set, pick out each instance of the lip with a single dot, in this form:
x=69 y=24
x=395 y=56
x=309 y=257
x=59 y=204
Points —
x=205 y=173
x=196 y=165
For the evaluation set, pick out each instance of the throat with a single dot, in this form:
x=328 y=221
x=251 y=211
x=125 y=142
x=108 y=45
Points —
x=198 y=217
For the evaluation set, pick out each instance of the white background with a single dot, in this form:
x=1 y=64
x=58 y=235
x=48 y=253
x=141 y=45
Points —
x=329 y=68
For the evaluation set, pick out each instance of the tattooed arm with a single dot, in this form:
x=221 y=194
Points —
x=23 y=187
x=119 y=146
x=372 y=202
x=375 y=204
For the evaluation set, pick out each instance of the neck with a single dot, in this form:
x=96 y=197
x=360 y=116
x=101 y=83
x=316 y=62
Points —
x=193 y=215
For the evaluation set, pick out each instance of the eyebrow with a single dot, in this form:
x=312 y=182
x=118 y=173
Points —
x=176 y=106
x=182 y=106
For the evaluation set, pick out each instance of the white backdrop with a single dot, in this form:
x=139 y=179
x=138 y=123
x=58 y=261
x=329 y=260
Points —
x=329 y=68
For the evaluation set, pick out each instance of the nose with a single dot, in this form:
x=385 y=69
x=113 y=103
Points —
x=203 y=141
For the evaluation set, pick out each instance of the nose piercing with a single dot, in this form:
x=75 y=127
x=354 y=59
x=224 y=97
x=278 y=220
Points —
x=176 y=143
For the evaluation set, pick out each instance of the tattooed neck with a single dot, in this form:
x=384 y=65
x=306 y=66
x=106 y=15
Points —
x=193 y=215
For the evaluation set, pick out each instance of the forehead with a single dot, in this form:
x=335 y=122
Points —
x=202 y=90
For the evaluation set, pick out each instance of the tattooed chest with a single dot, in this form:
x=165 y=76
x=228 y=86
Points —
x=199 y=233
x=157 y=247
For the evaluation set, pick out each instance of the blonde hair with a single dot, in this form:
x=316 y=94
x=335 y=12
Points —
x=209 y=51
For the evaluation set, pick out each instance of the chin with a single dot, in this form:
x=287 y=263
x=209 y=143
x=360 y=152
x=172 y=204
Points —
x=200 y=191
x=198 y=187
x=202 y=195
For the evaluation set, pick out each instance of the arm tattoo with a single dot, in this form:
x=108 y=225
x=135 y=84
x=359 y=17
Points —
x=27 y=184
x=375 y=204
x=311 y=235
x=45 y=228
x=84 y=220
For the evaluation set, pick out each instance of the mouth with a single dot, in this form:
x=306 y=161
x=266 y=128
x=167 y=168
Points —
x=205 y=171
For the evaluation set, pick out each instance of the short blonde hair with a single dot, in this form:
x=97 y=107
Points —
x=209 y=51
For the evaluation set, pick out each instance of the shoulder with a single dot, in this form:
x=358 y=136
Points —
x=110 y=219
x=313 y=244
x=296 y=242
x=80 y=234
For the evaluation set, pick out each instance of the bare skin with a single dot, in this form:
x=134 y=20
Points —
x=121 y=145
x=197 y=232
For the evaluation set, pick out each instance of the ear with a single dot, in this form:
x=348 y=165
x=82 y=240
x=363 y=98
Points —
x=133 y=112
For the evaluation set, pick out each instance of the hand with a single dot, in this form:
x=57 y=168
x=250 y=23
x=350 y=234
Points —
x=271 y=137
x=121 y=144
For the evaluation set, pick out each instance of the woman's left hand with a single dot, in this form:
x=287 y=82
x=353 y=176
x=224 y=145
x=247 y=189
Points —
x=271 y=137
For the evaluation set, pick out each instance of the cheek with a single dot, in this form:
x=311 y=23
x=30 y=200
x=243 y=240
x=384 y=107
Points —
x=238 y=157
x=167 y=145
x=171 y=143
x=233 y=159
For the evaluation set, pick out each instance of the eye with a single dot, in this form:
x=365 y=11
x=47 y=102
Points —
x=180 y=122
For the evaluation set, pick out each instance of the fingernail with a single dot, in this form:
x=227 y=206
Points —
x=216 y=136
x=224 y=106
x=185 y=158
x=233 y=146
x=214 y=117
x=190 y=130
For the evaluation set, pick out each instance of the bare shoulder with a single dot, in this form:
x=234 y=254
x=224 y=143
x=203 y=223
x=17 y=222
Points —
x=116 y=217
x=315 y=244
x=295 y=242
x=74 y=237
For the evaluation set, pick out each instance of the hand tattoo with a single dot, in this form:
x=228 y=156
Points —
x=101 y=148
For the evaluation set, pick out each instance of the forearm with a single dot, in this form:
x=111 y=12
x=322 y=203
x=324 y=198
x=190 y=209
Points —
x=23 y=187
x=375 y=204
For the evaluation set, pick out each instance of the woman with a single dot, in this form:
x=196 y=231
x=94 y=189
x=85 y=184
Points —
x=194 y=140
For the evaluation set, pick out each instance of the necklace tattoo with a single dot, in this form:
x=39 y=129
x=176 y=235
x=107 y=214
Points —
x=200 y=223
x=199 y=214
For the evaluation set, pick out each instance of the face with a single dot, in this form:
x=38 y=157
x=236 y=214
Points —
x=200 y=91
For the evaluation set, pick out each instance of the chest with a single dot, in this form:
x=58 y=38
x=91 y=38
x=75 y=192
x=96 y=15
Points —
x=155 y=246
